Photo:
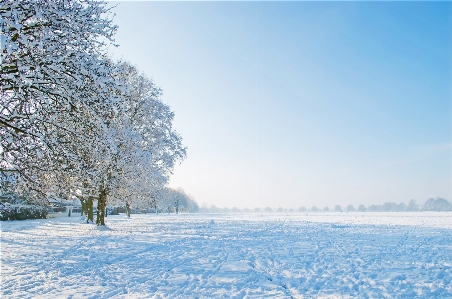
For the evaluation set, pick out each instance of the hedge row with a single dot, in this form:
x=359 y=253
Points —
x=22 y=213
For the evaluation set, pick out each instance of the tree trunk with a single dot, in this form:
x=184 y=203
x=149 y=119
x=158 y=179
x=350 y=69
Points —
x=84 y=212
x=127 y=209
x=89 y=210
x=101 y=205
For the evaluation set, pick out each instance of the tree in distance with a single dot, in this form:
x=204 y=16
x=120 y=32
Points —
x=412 y=206
x=350 y=208
x=438 y=204
x=338 y=208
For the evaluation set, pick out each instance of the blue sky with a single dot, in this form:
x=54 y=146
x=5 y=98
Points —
x=301 y=103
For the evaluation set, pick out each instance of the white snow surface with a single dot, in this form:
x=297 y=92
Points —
x=323 y=255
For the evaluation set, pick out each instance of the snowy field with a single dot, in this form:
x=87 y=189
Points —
x=334 y=255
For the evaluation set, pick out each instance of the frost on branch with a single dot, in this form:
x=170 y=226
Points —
x=55 y=80
x=72 y=122
x=147 y=147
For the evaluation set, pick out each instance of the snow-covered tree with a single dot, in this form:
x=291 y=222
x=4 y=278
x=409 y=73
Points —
x=350 y=208
x=56 y=88
x=412 y=205
x=71 y=120
x=438 y=204
x=147 y=147
x=176 y=200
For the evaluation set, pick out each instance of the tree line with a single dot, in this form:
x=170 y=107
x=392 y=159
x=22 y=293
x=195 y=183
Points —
x=169 y=201
x=73 y=122
x=175 y=201
x=432 y=204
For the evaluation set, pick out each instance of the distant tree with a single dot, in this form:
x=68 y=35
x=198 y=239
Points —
x=280 y=210
x=326 y=209
x=350 y=208
x=256 y=209
x=390 y=207
x=235 y=210
x=412 y=206
x=214 y=209
x=443 y=204
x=302 y=209
x=361 y=208
x=268 y=209
x=192 y=205
x=438 y=204
x=338 y=208
x=374 y=208
x=314 y=209
x=401 y=207
x=176 y=200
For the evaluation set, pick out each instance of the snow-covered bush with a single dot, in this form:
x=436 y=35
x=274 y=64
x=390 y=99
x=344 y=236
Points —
x=22 y=212
x=13 y=207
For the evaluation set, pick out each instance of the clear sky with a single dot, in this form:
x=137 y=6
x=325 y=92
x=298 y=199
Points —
x=301 y=103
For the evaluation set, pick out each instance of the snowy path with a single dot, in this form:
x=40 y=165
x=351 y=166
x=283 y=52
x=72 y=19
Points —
x=230 y=256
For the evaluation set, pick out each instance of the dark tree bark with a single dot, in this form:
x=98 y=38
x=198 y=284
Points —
x=101 y=205
x=84 y=207
x=127 y=209
x=89 y=209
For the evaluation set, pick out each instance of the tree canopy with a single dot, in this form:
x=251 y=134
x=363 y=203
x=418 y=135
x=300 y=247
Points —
x=72 y=121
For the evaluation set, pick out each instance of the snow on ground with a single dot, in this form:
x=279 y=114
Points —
x=335 y=255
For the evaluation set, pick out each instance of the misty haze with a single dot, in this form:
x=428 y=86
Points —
x=224 y=149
